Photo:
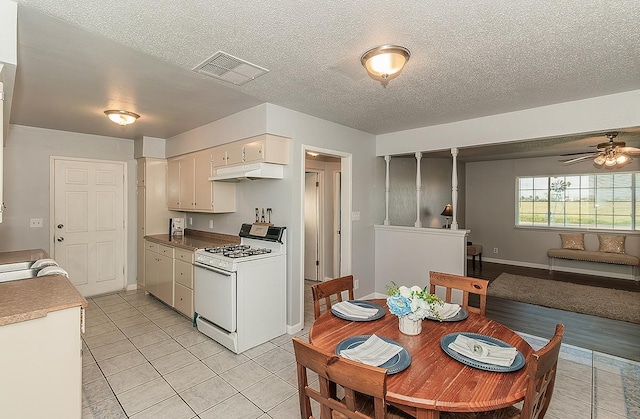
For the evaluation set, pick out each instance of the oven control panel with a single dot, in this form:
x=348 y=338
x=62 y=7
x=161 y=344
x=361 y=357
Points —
x=214 y=262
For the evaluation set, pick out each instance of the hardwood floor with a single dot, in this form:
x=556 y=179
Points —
x=600 y=334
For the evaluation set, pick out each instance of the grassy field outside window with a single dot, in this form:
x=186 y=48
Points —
x=607 y=201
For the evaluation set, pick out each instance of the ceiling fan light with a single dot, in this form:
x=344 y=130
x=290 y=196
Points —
x=385 y=62
x=610 y=161
x=622 y=159
x=600 y=159
x=121 y=117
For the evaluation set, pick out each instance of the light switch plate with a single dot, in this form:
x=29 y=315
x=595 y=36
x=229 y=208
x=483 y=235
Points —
x=355 y=216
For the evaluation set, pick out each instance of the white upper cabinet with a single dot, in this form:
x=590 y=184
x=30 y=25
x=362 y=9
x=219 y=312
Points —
x=189 y=187
x=265 y=148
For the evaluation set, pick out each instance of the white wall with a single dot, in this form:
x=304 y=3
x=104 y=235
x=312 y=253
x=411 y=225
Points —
x=407 y=254
x=285 y=195
x=26 y=183
x=602 y=113
x=8 y=32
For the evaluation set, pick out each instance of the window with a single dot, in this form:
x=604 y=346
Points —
x=607 y=201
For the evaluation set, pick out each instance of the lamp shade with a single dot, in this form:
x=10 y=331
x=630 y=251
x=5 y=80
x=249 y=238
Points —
x=447 y=211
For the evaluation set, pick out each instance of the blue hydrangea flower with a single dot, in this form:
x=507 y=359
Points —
x=399 y=305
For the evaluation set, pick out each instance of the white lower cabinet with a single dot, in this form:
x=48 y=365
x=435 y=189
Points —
x=158 y=262
x=169 y=275
x=183 y=288
x=41 y=370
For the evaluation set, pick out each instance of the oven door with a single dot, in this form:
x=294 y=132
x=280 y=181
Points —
x=215 y=296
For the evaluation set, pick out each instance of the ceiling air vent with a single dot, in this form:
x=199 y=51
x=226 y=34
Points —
x=231 y=69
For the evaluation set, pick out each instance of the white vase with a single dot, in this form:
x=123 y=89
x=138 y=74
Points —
x=410 y=327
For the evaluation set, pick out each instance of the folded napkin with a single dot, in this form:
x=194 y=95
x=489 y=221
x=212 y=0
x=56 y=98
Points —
x=447 y=310
x=41 y=263
x=373 y=351
x=52 y=270
x=483 y=352
x=353 y=310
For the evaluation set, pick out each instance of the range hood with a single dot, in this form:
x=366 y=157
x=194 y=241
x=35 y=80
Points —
x=249 y=172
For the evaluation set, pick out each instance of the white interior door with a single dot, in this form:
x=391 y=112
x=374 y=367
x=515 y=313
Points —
x=88 y=224
x=311 y=227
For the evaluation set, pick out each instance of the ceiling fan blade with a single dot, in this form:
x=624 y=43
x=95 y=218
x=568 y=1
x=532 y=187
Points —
x=577 y=154
x=628 y=150
x=577 y=159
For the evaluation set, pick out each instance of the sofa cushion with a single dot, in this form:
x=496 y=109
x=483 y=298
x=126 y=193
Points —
x=611 y=244
x=590 y=256
x=572 y=241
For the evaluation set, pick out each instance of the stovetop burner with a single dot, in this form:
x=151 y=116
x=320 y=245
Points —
x=237 y=251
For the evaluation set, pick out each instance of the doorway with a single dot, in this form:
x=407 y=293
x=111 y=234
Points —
x=88 y=223
x=312 y=226
x=323 y=220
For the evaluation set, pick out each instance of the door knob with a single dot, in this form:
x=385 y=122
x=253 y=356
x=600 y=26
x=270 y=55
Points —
x=60 y=239
x=60 y=225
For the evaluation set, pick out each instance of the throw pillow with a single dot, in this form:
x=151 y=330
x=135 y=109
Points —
x=572 y=241
x=611 y=244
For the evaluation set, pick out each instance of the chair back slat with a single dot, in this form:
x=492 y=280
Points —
x=352 y=376
x=328 y=289
x=465 y=284
x=541 y=374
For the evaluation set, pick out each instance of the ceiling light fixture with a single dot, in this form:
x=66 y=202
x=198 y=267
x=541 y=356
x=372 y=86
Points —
x=122 y=118
x=385 y=62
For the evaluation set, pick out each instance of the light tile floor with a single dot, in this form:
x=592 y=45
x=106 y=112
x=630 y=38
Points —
x=141 y=359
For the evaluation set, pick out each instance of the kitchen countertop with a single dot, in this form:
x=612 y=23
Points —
x=194 y=239
x=28 y=299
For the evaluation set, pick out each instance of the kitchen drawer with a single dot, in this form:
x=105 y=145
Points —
x=184 y=273
x=153 y=246
x=165 y=250
x=184 y=255
x=183 y=300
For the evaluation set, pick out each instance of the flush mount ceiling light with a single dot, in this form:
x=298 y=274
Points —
x=385 y=62
x=122 y=117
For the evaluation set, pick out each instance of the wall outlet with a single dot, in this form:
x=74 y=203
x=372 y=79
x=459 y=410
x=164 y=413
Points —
x=190 y=221
x=210 y=223
x=356 y=284
x=495 y=250
x=355 y=216
x=35 y=222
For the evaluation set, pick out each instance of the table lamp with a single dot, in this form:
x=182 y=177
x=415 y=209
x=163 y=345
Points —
x=447 y=212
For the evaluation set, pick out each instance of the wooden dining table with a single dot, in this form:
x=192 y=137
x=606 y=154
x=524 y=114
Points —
x=434 y=381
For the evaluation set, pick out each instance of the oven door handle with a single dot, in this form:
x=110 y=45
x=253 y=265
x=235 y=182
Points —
x=211 y=268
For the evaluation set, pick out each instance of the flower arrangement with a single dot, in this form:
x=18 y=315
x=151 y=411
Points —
x=415 y=302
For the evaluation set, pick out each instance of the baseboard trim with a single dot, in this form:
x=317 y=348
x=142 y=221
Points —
x=567 y=269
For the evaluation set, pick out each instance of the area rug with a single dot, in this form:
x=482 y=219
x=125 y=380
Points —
x=596 y=301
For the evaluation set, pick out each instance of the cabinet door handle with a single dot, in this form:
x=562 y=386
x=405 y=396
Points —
x=60 y=239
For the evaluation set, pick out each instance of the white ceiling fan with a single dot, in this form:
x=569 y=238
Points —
x=611 y=153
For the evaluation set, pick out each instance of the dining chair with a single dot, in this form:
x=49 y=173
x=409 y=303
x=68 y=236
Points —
x=541 y=376
x=365 y=386
x=324 y=290
x=465 y=284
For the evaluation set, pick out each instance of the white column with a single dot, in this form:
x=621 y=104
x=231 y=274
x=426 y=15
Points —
x=387 y=159
x=454 y=188
x=418 y=187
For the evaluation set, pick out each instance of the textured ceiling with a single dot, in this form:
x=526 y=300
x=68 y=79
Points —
x=469 y=59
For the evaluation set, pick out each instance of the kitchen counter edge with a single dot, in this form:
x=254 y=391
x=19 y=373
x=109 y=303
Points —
x=33 y=298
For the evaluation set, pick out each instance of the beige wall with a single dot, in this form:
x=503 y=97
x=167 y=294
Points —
x=26 y=183
x=490 y=209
